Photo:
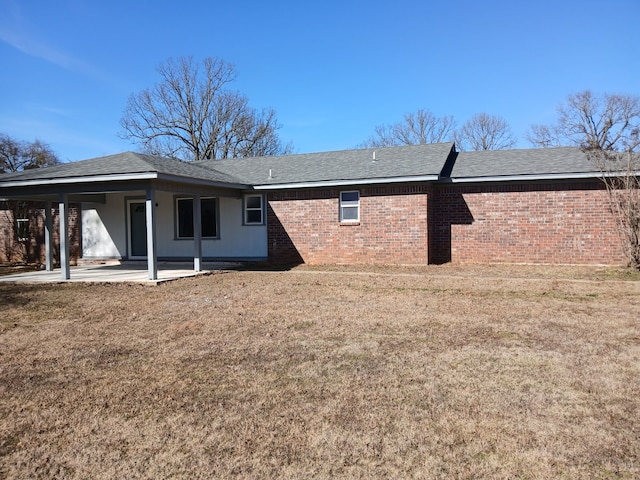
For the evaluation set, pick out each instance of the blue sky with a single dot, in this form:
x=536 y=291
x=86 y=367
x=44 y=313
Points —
x=332 y=70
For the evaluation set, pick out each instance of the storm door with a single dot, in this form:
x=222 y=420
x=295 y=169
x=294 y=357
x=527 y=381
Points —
x=137 y=241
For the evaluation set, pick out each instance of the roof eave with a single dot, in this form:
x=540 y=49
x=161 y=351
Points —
x=82 y=179
x=341 y=183
x=526 y=177
x=123 y=178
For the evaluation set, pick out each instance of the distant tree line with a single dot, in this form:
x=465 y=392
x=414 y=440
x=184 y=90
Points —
x=606 y=122
x=481 y=132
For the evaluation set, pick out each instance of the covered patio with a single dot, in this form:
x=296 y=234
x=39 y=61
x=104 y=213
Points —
x=124 y=272
x=89 y=181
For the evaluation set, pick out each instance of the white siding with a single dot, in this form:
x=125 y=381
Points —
x=104 y=230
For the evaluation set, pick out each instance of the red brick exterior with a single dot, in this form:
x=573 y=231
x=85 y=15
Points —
x=33 y=250
x=304 y=226
x=561 y=223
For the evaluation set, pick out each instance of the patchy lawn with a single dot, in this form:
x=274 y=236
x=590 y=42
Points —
x=439 y=372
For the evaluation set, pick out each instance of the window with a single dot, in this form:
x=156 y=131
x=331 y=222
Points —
x=208 y=217
x=350 y=206
x=253 y=210
x=22 y=228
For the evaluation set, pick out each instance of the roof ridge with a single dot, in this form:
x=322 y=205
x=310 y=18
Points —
x=325 y=153
x=517 y=150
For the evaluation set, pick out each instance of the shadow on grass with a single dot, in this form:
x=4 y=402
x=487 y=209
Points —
x=13 y=294
x=267 y=267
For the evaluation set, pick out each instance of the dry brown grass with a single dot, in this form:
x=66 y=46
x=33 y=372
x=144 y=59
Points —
x=443 y=372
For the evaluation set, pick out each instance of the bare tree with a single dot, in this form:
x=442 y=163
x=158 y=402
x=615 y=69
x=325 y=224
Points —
x=16 y=155
x=601 y=123
x=607 y=128
x=421 y=127
x=485 y=132
x=192 y=115
x=22 y=216
x=543 y=136
x=620 y=174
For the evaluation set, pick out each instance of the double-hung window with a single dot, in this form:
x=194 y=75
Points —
x=350 y=206
x=253 y=210
x=22 y=228
x=208 y=217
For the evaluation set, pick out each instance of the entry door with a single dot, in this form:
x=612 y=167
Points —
x=137 y=229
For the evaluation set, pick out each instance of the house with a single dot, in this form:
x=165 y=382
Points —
x=401 y=205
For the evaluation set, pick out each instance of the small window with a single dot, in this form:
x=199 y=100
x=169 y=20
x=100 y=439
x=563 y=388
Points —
x=208 y=217
x=350 y=206
x=22 y=228
x=253 y=210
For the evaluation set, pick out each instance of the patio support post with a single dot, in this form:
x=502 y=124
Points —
x=64 y=236
x=48 y=236
x=152 y=254
x=197 y=234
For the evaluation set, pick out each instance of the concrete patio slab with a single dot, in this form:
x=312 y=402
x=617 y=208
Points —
x=120 y=272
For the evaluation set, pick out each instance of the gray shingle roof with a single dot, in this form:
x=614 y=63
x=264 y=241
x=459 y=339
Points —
x=561 y=162
x=127 y=163
x=345 y=165
x=406 y=163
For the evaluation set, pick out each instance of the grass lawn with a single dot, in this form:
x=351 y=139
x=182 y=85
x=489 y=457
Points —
x=438 y=372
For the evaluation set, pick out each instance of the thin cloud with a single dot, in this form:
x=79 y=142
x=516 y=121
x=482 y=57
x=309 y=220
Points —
x=62 y=112
x=16 y=32
x=34 y=48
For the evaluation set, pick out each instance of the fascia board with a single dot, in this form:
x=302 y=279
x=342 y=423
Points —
x=120 y=178
x=341 y=183
x=75 y=180
x=621 y=174
x=512 y=178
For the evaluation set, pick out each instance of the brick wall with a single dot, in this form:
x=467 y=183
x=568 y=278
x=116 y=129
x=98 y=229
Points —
x=304 y=226
x=33 y=250
x=524 y=223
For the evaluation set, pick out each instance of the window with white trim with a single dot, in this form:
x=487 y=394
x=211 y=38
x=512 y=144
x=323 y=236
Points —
x=208 y=217
x=253 y=210
x=350 y=206
x=22 y=228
